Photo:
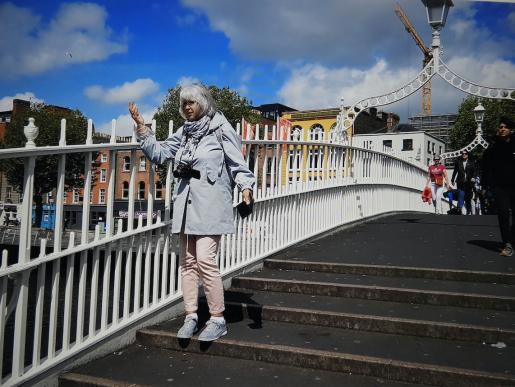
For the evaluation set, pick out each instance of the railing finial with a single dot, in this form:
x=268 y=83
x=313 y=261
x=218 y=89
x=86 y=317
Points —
x=31 y=132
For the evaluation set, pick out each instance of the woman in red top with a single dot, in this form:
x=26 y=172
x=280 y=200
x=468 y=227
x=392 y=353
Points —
x=437 y=175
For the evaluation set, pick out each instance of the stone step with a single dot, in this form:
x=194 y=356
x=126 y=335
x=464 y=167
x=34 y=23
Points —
x=368 y=315
x=391 y=271
x=395 y=357
x=413 y=290
x=139 y=365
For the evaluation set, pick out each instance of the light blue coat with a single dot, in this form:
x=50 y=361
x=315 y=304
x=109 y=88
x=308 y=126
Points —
x=205 y=205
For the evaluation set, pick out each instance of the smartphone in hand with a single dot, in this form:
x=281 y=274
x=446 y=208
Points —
x=245 y=209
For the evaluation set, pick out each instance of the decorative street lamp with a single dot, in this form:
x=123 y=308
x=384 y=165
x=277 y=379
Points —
x=437 y=11
x=479 y=115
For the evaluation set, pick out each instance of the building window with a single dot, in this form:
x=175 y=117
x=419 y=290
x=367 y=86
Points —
x=125 y=190
x=295 y=134
x=315 y=157
x=294 y=160
x=91 y=196
x=141 y=190
x=387 y=143
x=103 y=157
x=159 y=190
x=407 y=144
x=126 y=163
x=429 y=147
x=103 y=175
x=8 y=192
x=142 y=163
x=316 y=132
x=102 y=196
x=75 y=196
x=268 y=166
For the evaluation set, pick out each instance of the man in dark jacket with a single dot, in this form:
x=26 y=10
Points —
x=499 y=175
x=464 y=175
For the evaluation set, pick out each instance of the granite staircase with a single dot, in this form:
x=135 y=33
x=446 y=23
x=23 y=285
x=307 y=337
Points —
x=307 y=318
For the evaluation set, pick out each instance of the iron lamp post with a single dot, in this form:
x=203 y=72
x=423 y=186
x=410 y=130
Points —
x=437 y=11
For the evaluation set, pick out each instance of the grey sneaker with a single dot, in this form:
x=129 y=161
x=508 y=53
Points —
x=188 y=329
x=213 y=330
x=507 y=251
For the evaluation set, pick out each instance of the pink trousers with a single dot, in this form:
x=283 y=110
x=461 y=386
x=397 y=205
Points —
x=198 y=262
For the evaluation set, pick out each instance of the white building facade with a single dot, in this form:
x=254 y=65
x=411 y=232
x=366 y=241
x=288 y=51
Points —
x=417 y=147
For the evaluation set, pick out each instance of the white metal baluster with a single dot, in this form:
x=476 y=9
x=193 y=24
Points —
x=164 y=264
x=3 y=308
x=26 y=207
x=174 y=270
x=94 y=287
x=106 y=283
x=68 y=296
x=151 y=189
x=81 y=300
x=111 y=184
x=118 y=277
x=54 y=304
x=128 y=279
x=132 y=184
x=38 y=319
x=137 y=274
x=146 y=282
x=87 y=186
x=20 y=325
x=155 y=281
x=61 y=169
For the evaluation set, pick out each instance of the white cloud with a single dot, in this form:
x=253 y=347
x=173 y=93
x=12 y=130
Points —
x=337 y=32
x=129 y=91
x=184 y=81
x=6 y=103
x=124 y=122
x=317 y=86
x=78 y=33
x=355 y=49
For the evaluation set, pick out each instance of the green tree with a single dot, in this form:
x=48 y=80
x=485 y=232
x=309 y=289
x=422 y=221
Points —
x=228 y=101
x=48 y=120
x=465 y=127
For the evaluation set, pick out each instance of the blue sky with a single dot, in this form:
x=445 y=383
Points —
x=95 y=56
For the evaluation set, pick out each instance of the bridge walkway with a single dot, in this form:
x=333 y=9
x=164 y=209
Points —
x=402 y=300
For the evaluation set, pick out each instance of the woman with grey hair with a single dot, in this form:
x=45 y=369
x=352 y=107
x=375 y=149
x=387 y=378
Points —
x=207 y=161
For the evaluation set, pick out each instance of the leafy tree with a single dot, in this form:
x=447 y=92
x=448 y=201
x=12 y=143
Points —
x=465 y=127
x=228 y=101
x=48 y=120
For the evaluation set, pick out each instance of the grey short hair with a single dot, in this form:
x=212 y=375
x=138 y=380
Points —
x=200 y=94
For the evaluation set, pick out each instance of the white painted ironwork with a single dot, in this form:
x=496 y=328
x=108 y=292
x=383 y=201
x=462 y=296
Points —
x=88 y=286
x=436 y=66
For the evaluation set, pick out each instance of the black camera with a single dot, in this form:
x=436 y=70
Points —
x=183 y=171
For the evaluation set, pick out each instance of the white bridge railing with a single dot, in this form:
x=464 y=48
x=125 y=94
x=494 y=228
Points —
x=56 y=301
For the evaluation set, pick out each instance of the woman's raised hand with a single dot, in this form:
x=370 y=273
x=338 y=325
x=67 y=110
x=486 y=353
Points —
x=136 y=116
x=141 y=129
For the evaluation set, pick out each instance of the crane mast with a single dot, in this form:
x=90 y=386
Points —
x=426 y=89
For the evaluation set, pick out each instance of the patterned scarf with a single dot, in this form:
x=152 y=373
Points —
x=193 y=131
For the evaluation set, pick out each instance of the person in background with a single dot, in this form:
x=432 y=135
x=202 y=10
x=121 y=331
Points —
x=437 y=176
x=499 y=176
x=464 y=175
x=459 y=196
x=207 y=161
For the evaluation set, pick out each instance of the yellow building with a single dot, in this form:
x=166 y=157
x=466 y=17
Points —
x=310 y=162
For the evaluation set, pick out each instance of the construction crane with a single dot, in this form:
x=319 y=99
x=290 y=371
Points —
x=426 y=89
